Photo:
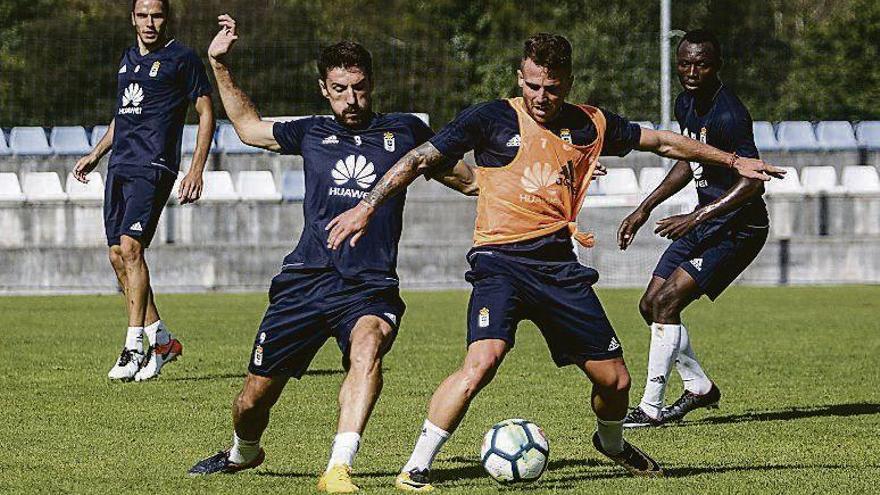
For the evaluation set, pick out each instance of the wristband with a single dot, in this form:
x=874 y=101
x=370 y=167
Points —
x=733 y=160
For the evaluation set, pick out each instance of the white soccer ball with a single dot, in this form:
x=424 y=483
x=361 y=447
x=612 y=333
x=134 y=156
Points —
x=515 y=450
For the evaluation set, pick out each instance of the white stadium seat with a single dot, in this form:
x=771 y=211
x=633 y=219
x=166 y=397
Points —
x=765 y=137
x=218 y=187
x=645 y=124
x=619 y=181
x=43 y=186
x=819 y=179
x=790 y=184
x=860 y=180
x=10 y=188
x=868 y=134
x=836 y=135
x=98 y=132
x=188 y=142
x=650 y=178
x=70 y=140
x=229 y=142
x=29 y=141
x=79 y=192
x=4 y=148
x=293 y=185
x=797 y=136
x=257 y=185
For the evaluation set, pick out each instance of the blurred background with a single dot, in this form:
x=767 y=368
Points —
x=806 y=69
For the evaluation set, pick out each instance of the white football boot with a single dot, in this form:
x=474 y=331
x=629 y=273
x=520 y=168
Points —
x=127 y=365
x=157 y=357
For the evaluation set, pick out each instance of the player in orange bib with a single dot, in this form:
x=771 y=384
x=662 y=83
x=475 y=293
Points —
x=535 y=158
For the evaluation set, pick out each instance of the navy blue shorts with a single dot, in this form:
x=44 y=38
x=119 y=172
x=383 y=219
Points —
x=714 y=260
x=307 y=307
x=557 y=296
x=133 y=202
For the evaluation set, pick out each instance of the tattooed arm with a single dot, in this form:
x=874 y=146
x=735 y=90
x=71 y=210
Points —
x=423 y=159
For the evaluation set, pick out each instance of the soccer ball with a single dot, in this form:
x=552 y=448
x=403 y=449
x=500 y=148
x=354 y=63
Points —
x=515 y=450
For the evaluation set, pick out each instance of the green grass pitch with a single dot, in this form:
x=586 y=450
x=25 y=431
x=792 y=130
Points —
x=798 y=368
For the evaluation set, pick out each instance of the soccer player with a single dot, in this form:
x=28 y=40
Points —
x=350 y=294
x=711 y=245
x=535 y=155
x=158 y=78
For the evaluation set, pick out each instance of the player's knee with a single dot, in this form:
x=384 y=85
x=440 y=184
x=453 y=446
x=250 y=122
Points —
x=646 y=308
x=615 y=383
x=115 y=255
x=249 y=402
x=131 y=251
x=665 y=303
x=480 y=369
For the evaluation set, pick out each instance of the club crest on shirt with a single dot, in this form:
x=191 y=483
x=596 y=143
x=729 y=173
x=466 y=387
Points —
x=565 y=135
x=154 y=70
x=389 y=142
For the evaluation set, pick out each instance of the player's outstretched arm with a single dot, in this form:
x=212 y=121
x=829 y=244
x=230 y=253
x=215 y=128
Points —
x=678 y=147
x=353 y=223
x=461 y=178
x=239 y=108
x=675 y=180
x=678 y=225
x=86 y=164
x=191 y=186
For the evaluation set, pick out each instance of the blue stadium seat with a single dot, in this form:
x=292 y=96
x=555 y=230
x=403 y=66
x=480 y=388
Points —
x=4 y=148
x=188 y=145
x=293 y=185
x=228 y=142
x=765 y=138
x=98 y=132
x=836 y=135
x=29 y=141
x=69 y=141
x=797 y=136
x=868 y=134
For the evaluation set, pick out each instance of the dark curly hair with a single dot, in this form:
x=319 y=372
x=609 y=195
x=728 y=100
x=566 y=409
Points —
x=551 y=51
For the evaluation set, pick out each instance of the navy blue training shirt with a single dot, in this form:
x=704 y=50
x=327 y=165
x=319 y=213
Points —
x=727 y=126
x=153 y=94
x=341 y=165
x=492 y=130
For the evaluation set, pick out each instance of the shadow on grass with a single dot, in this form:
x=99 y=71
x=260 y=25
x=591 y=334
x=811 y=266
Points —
x=834 y=410
x=227 y=376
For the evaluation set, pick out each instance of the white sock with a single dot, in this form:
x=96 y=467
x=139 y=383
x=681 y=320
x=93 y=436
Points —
x=611 y=435
x=157 y=333
x=345 y=447
x=243 y=451
x=134 y=339
x=664 y=349
x=692 y=374
x=428 y=445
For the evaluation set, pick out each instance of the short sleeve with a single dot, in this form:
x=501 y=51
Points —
x=743 y=134
x=621 y=135
x=462 y=134
x=195 y=77
x=289 y=135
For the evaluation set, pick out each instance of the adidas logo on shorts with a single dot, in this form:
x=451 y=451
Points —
x=614 y=344
x=698 y=263
x=136 y=227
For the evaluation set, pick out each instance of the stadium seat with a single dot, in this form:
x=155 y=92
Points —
x=10 y=189
x=868 y=134
x=650 y=178
x=619 y=181
x=29 y=141
x=819 y=179
x=228 y=142
x=860 y=180
x=790 y=184
x=765 y=138
x=797 y=136
x=98 y=132
x=673 y=126
x=79 y=192
x=645 y=123
x=257 y=185
x=218 y=187
x=293 y=185
x=188 y=144
x=69 y=141
x=43 y=186
x=424 y=118
x=4 y=148
x=836 y=135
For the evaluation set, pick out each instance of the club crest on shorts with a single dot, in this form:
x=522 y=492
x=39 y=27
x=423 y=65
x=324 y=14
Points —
x=258 y=355
x=389 y=142
x=483 y=321
x=565 y=135
x=154 y=70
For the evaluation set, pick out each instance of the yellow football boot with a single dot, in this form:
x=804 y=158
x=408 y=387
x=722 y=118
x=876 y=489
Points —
x=337 y=479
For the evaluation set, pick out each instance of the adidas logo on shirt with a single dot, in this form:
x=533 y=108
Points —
x=136 y=227
x=514 y=142
x=698 y=263
x=123 y=69
x=330 y=140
